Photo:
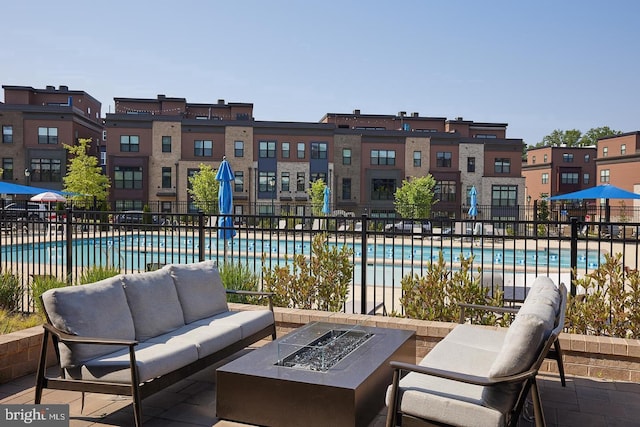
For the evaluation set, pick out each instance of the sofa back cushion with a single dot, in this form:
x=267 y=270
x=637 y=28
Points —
x=153 y=302
x=200 y=290
x=95 y=310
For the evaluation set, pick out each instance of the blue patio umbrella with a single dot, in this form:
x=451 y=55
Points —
x=10 y=188
x=225 y=201
x=473 y=202
x=325 y=202
x=606 y=191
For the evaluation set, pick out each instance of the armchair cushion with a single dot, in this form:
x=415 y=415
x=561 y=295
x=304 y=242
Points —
x=520 y=347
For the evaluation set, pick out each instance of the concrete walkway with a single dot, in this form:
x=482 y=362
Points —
x=584 y=402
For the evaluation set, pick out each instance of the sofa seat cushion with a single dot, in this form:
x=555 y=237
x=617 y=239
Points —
x=97 y=310
x=249 y=322
x=200 y=289
x=208 y=339
x=154 y=303
x=153 y=360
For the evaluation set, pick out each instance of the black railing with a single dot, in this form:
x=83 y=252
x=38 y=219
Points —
x=507 y=254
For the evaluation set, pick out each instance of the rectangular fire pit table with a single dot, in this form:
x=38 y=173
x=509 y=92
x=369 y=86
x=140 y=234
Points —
x=290 y=381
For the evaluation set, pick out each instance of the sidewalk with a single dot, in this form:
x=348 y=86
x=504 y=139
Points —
x=584 y=402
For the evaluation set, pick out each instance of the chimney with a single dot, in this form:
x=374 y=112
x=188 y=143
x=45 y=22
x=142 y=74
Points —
x=51 y=88
x=402 y=113
x=162 y=96
x=415 y=114
x=356 y=112
x=64 y=88
x=220 y=101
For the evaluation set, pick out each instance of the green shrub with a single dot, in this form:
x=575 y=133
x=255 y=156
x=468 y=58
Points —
x=10 y=291
x=610 y=304
x=435 y=294
x=97 y=273
x=11 y=322
x=40 y=285
x=320 y=282
x=238 y=276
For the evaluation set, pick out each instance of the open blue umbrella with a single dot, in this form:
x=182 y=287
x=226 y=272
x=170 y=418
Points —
x=325 y=202
x=10 y=188
x=473 y=202
x=606 y=191
x=225 y=201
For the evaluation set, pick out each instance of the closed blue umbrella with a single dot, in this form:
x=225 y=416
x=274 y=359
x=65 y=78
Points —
x=225 y=201
x=473 y=202
x=325 y=202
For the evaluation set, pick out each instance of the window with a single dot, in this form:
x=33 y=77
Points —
x=545 y=178
x=443 y=159
x=238 y=148
x=533 y=160
x=502 y=165
x=286 y=150
x=318 y=150
x=585 y=178
x=129 y=143
x=166 y=144
x=346 y=188
x=471 y=164
x=46 y=170
x=7 y=169
x=486 y=136
x=128 y=177
x=166 y=177
x=623 y=149
x=587 y=157
x=267 y=149
x=504 y=195
x=300 y=182
x=267 y=182
x=567 y=157
x=383 y=157
x=7 y=134
x=445 y=191
x=203 y=148
x=569 y=178
x=238 y=182
x=346 y=156
x=605 y=151
x=47 y=135
x=383 y=189
x=285 y=181
x=318 y=176
x=301 y=150
x=604 y=175
x=417 y=159
x=544 y=159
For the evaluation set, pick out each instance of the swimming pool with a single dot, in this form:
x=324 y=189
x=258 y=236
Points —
x=135 y=252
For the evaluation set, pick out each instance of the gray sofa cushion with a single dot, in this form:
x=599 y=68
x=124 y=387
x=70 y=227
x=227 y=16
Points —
x=153 y=360
x=95 y=310
x=200 y=290
x=154 y=303
x=249 y=322
x=208 y=339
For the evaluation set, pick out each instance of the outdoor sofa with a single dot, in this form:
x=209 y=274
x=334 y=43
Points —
x=135 y=334
x=481 y=376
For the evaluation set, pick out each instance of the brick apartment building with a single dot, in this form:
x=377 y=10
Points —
x=151 y=146
x=35 y=123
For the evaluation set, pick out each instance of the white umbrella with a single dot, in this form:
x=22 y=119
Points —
x=48 y=197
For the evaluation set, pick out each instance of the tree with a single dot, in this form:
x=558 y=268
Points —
x=575 y=138
x=592 y=135
x=316 y=194
x=84 y=180
x=204 y=189
x=415 y=198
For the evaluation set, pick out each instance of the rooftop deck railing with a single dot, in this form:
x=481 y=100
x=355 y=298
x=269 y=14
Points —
x=507 y=255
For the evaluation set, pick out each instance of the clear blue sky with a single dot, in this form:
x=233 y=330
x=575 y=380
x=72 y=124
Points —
x=536 y=65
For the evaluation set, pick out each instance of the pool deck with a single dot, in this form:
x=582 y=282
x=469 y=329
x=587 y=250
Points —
x=584 y=402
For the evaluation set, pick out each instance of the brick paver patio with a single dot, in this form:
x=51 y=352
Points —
x=584 y=402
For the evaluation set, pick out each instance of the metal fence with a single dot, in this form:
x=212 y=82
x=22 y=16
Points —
x=507 y=255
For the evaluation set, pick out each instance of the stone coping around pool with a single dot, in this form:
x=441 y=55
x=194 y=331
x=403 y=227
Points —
x=616 y=359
